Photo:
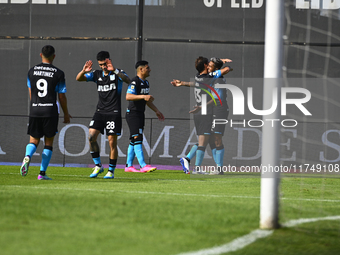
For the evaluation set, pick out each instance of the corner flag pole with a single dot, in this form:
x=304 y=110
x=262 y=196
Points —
x=273 y=60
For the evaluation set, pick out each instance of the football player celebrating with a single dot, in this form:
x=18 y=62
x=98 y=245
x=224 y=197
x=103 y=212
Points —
x=203 y=123
x=109 y=81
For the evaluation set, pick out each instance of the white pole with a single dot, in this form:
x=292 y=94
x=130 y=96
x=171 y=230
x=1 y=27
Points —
x=269 y=205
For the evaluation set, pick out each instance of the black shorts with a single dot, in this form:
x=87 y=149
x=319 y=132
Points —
x=222 y=113
x=39 y=127
x=112 y=123
x=136 y=122
x=203 y=124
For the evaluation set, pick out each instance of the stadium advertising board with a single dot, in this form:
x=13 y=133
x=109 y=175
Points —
x=174 y=34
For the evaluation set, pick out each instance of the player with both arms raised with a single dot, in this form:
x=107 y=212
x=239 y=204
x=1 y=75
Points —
x=107 y=116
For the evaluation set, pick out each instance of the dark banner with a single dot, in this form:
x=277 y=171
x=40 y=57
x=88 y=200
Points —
x=170 y=35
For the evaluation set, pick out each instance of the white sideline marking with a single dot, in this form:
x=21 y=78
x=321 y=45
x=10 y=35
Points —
x=235 y=245
x=170 y=194
x=243 y=241
x=293 y=223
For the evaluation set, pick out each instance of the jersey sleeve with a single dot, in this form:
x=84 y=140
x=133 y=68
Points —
x=216 y=74
x=132 y=88
x=28 y=81
x=90 y=76
x=61 y=87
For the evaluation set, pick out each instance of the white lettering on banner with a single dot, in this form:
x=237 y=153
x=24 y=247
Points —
x=2 y=152
x=240 y=143
x=210 y=3
x=33 y=1
x=288 y=144
x=166 y=134
x=246 y=145
x=318 y=4
x=240 y=139
x=189 y=143
x=299 y=4
x=334 y=146
x=61 y=140
x=235 y=3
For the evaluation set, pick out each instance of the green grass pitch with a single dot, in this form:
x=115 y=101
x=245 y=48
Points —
x=163 y=212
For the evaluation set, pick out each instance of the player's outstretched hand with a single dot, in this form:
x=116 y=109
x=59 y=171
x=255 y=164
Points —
x=160 y=116
x=109 y=65
x=176 y=83
x=88 y=66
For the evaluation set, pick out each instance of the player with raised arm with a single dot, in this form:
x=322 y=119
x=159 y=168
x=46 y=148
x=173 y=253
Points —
x=220 y=111
x=45 y=82
x=109 y=81
x=138 y=96
x=203 y=123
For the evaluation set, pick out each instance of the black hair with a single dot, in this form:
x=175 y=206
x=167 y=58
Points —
x=101 y=56
x=48 y=51
x=200 y=62
x=141 y=63
x=217 y=62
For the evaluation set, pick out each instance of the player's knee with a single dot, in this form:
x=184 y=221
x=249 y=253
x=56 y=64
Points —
x=137 y=138
x=218 y=143
x=92 y=138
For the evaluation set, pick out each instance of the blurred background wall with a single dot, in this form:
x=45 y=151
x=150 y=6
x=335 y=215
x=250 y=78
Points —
x=171 y=34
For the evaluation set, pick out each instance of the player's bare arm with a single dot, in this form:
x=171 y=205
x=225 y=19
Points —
x=179 y=83
x=86 y=69
x=132 y=97
x=30 y=93
x=123 y=76
x=197 y=108
x=226 y=70
x=159 y=115
x=226 y=60
x=63 y=104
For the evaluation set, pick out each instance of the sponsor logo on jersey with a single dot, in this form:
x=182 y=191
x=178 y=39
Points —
x=144 y=91
x=105 y=88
